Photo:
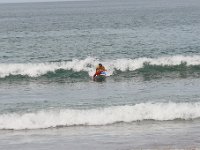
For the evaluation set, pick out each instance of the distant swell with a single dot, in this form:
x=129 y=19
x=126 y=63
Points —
x=86 y=67
x=100 y=116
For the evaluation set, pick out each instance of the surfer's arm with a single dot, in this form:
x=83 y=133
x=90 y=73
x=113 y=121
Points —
x=94 y=75
x=97 y=73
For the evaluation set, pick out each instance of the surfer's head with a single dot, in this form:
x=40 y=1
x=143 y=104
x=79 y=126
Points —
x=100 y=65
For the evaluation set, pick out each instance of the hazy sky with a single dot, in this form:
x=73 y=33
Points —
x=18 y=1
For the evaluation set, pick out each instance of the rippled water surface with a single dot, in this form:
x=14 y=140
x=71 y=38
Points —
x=48 y=54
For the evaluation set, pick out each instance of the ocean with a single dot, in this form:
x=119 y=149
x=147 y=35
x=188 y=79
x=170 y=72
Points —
x=48 y=55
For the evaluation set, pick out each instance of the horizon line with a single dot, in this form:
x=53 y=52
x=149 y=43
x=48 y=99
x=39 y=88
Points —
x=43 y=1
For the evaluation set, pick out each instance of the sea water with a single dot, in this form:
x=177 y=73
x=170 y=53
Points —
x=48 y=55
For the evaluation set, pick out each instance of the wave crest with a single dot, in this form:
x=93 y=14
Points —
x=100 y=116
x=88 y=65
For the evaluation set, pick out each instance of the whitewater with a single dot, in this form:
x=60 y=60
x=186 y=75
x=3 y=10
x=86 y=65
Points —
x=89 y=64
x=100 y=116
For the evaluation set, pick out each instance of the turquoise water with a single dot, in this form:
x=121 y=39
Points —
x=48 y=55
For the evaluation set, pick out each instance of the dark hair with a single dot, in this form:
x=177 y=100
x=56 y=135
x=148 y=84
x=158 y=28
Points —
x=100 y=64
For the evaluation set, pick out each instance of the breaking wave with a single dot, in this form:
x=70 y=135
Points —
x=100 y=116
x=86 y=67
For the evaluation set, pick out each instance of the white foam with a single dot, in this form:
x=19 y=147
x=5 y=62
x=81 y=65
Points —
x=38 y=69
x=101 y=116
x=89 y=64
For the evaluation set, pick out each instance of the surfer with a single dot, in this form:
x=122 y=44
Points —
x=99 y=70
